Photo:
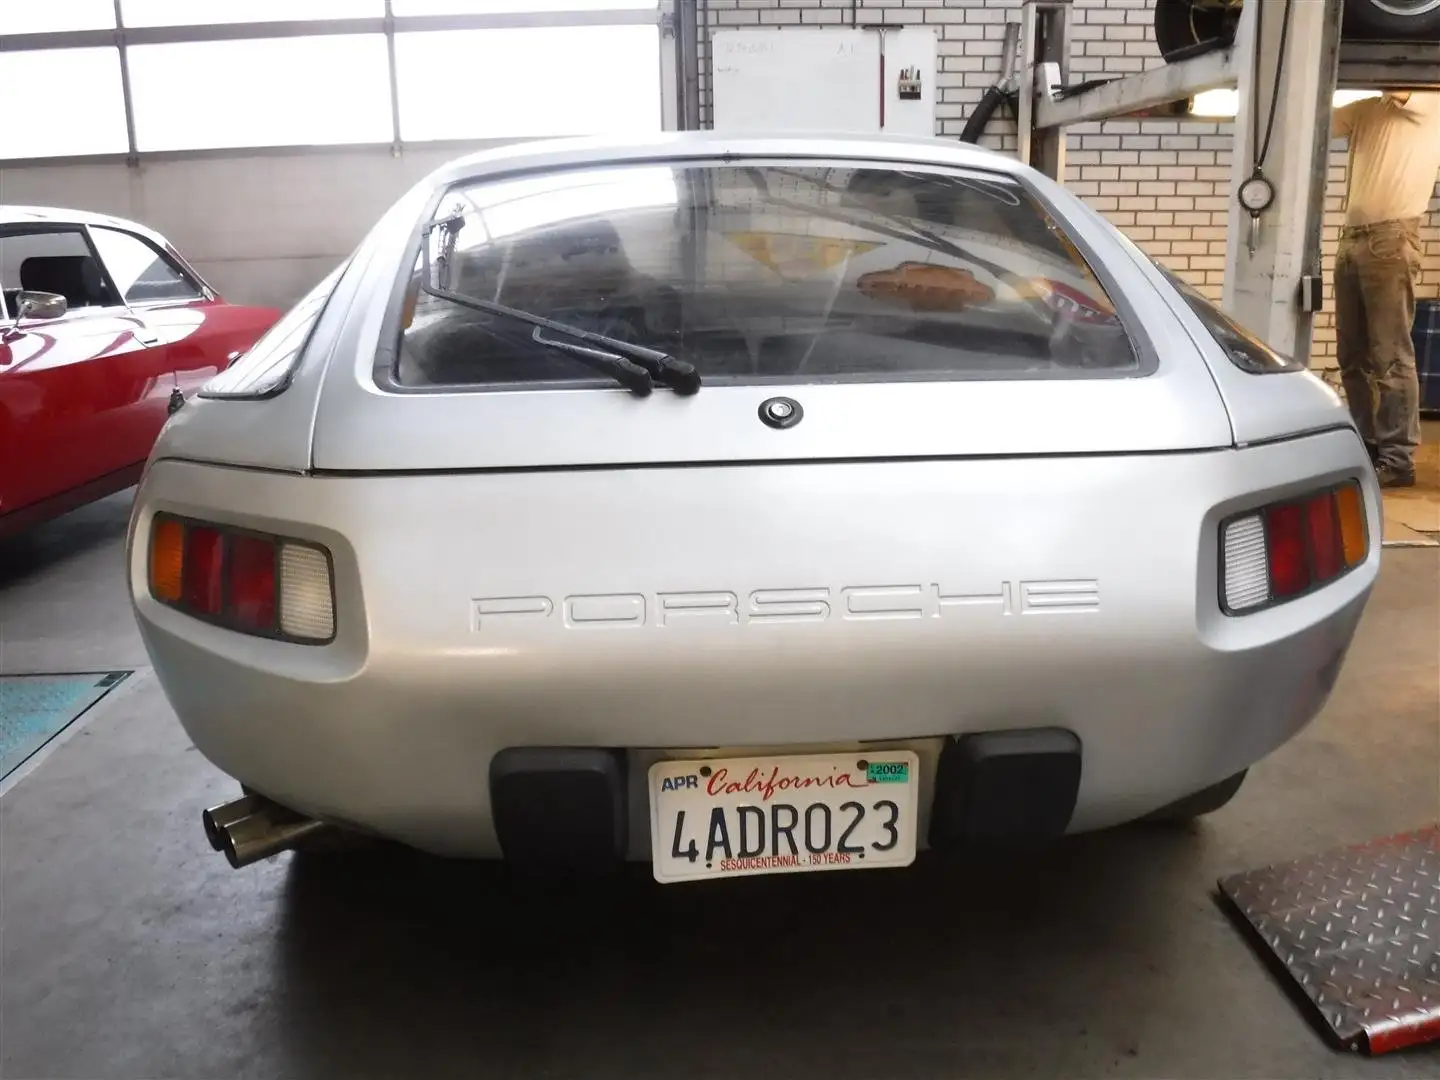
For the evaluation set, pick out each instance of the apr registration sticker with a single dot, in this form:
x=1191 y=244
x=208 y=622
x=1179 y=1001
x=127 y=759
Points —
x=888 y=772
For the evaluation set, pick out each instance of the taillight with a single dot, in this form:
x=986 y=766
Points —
x=251 y=582
x=1291 y=548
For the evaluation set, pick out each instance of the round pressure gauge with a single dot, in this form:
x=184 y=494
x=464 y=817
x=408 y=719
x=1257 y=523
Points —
x=1256 y=194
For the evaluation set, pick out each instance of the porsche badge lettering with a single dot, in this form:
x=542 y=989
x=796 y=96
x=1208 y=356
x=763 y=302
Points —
x=855 y=603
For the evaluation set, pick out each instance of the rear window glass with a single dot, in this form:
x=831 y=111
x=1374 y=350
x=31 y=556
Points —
x=762 y=272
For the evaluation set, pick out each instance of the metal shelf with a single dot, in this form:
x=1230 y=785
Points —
x=1390 y=65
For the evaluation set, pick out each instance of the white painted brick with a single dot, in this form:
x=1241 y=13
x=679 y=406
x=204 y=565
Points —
x=737 y=18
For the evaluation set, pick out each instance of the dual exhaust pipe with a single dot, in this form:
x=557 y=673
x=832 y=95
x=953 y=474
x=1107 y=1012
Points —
x=252 y=828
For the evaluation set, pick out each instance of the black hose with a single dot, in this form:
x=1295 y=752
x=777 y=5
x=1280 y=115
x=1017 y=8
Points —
x=981 y=114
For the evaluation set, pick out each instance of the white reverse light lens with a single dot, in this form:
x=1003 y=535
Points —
x=1247 y=575
x=306 y=607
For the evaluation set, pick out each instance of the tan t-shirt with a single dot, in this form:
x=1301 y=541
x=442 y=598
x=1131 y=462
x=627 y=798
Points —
x=1394 y=156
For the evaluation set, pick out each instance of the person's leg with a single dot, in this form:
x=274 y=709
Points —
x=1388 y=264
x=1352 y=342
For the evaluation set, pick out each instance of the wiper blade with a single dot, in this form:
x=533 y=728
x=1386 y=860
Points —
x=628 y=363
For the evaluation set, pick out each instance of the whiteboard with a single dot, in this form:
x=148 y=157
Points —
x=774 y=79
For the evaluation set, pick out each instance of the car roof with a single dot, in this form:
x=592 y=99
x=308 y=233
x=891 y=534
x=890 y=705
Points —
x=561 y=153
x=31 y=215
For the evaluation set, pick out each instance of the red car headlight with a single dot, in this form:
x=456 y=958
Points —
x=1291 y=548
x=254 y=583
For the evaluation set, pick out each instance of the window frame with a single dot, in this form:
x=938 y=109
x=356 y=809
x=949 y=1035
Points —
x=203 y=292
x=119 y=40
x=385 y=368
x=27 y=228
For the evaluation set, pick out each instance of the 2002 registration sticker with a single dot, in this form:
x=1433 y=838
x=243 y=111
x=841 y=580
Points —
x=729 y=817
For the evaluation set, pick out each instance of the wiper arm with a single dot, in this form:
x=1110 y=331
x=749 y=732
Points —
x=626 y=372
x=628 y=363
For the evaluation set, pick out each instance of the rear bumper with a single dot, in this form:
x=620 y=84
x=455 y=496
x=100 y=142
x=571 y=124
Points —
x=571 y=806
x=396 y=726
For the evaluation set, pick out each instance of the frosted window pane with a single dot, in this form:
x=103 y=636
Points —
x=270 y=92
x=17 y=17
x=203 y=12
x=84 y=105
x=517 y=83
x=491 y=7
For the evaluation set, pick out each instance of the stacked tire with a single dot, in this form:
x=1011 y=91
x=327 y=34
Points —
x=1184 y=25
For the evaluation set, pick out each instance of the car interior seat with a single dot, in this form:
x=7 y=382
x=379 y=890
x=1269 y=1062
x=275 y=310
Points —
x=75 y=277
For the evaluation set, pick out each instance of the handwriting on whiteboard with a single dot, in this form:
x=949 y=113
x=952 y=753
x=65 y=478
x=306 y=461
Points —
x=759 y=48
x=733 y=46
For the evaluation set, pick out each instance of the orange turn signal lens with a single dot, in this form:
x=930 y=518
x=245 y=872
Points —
x=167 y=560
x=1354 y=534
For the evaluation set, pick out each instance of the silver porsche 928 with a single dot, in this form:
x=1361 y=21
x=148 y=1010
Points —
x=746 y=505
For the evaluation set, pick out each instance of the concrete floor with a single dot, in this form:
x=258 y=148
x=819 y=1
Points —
x=129 y=949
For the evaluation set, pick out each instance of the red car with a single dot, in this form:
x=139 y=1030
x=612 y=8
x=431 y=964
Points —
x=101 y=322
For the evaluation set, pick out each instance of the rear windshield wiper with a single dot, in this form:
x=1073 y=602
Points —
x=633 y=366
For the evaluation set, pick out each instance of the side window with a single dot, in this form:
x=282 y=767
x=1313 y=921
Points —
x=1245 y=350
x=266 y=369
x=141 y=272
x=53 y=261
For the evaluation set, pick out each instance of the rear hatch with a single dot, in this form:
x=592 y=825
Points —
x=898 y=312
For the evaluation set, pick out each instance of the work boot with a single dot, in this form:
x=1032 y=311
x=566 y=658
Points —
x=1393 y=476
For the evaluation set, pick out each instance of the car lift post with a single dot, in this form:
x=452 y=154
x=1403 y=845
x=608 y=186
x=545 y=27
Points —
x=1044 y=65
x=1274 y=290
x=1264 y=289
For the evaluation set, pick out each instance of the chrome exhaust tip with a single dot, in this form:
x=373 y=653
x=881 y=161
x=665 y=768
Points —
x=253 y=828
x=218 y=818
x=260 y=836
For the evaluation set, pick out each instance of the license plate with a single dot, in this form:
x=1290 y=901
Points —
x=734 y=817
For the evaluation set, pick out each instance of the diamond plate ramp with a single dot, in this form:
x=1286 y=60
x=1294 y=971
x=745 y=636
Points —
x=1358 y=929
x=36 y=708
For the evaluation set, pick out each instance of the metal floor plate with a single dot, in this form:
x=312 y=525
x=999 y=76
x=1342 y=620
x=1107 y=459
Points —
x=36 y=708
x=1358 y=929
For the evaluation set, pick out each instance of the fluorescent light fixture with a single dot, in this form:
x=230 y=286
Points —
x=1224 y=103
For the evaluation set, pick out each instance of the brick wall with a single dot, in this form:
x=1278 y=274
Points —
x=1164 y=182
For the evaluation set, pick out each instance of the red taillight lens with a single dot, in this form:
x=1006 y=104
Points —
x=203 y=589
x=1287 y=549
x=257 y=584
x=1285 y=538
x=253 y=583
x=1322 y=525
